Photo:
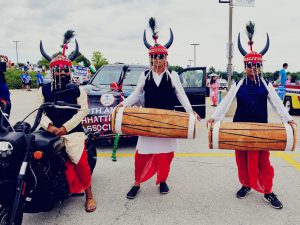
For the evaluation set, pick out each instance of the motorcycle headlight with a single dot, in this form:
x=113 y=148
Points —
x=6 y=149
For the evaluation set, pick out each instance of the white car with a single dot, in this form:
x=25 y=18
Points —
x=223 y=84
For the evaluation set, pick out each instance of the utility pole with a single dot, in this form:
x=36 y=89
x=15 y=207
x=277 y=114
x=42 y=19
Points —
x=17 y=52
x=190 y=60
x=231 y=3
x=195 y=44
x=230 y=44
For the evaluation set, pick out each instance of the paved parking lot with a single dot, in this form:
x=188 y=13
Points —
x=202 y=184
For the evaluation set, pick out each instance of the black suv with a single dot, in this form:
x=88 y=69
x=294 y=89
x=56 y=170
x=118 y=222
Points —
x=102 y=99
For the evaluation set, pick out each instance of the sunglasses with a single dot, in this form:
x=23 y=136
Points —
x=65 y=69
x=158 y=56
x=250 y=65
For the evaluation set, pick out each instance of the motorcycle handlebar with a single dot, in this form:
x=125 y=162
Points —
x=59 y=104
x=67 y=105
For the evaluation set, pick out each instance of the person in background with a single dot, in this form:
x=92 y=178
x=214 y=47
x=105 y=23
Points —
x=214 y=90
x=26 y=81
x=39 y=79
x=282 y=79
x=207 y=87
x=23 y=78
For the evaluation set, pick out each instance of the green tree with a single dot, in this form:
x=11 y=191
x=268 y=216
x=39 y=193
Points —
x=13 y=78
x=276 y=75
x=175 y=68
x=56 y=54
x=43 y=62
x=211 y=70
x=98 y=59
x=81 y=58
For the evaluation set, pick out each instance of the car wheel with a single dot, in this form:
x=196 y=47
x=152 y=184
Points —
x=288 y=105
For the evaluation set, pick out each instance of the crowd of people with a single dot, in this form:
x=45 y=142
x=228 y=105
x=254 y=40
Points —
x=26 y=79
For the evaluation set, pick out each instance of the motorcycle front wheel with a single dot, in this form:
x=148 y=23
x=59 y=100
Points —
x=4 y=215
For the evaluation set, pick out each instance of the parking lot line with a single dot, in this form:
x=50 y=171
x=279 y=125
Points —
x=286 y=157
x=107 y=154
x=289 y=159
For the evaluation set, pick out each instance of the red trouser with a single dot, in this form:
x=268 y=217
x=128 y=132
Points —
x=79 y=175
x=255 y=170
x=146 y=165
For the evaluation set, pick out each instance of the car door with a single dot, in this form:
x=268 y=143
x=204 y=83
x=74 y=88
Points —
x=193 y=80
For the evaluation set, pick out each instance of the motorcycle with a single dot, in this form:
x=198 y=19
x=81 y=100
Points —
x=32 y=167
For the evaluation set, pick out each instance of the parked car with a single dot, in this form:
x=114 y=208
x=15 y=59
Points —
x=292 y=98
x=102 y=98
x=223 y=84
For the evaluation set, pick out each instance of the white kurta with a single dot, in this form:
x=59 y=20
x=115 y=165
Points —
x=153 y=145
x=75 y=141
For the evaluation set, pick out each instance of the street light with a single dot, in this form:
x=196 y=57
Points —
x=230 y=44
x=195 y=44
x=190 y=60
x=17 y=52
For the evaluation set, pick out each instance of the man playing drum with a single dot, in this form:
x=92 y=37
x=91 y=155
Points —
x=252 y=92
x=161 y=89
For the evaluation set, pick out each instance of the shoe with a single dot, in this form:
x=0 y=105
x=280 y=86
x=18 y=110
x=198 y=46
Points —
x=243 y=192
x=273 y=200
x=133 y=192
x=163 y=188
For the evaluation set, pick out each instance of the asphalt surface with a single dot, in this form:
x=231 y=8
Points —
x=202 y=184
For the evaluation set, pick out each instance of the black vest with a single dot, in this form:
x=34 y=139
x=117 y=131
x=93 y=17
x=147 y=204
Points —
x=60 y=116
x=252 y=102
x=162 y=96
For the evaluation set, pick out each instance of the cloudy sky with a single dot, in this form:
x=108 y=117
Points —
x=115 y=28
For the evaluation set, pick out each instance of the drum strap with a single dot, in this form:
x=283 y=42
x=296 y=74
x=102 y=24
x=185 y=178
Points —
x=191 y=128
x=215 y=135
x=289 y=137
x=119 y=119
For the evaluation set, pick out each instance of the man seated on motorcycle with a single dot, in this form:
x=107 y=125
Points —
x=67 y=122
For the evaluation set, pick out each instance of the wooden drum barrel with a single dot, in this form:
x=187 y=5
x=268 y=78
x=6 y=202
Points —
x=153 y=122
x=252 y=136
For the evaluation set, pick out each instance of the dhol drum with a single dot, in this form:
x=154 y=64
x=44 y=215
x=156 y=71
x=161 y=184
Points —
x=252 y=136
x=153 y=122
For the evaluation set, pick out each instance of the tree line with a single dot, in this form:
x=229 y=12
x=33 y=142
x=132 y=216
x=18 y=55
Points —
x=97 y=60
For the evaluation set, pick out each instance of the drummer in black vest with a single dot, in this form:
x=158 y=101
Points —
x=161 y=89
x=252 y=94
x=67 y=122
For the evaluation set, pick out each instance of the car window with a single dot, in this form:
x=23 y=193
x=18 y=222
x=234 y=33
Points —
x=132 y=75
x=107 y=75
x=192 y=78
